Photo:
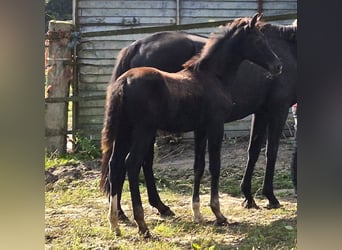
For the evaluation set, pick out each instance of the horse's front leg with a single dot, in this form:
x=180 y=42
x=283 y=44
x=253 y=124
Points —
x=215 y=135
x=153 y=196
x=276 y=124
x=199 y=164
x=257 y=137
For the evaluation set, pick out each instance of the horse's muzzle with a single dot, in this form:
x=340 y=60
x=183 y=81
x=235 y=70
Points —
x=274 y=70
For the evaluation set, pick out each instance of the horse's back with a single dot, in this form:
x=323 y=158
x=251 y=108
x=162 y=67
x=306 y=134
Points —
x=166 y=50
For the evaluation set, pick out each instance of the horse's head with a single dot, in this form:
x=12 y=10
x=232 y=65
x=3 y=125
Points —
x=253 y=45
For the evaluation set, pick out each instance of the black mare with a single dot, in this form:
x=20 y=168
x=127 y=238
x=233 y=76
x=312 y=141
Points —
x=253 y=93
x=197 y=98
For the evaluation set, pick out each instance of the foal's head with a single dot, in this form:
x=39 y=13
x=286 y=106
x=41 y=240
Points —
x=253 y=45
x=239 y=40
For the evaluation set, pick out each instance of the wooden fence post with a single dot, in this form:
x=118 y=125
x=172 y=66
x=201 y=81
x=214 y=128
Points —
x=59 y=75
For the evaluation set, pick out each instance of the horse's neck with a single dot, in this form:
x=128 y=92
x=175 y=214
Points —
x=226 y=67
x=281 y=32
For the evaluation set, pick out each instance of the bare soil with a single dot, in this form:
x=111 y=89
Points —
x=178 y=158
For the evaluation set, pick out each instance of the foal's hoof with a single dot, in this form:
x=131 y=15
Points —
x=198 y=219
x=222 y=222
x=146 y=234
x=123 y=217
x=167 y=213
x=116 y=231
x=250 y=204
x=273 y=205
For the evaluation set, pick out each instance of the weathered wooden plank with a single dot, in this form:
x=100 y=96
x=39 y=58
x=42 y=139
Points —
x=120 y=21
x=130 y=37
x=148 y=12
x=210 y=5
x=93 y=87
x=87 y=95
x=280 y=5
x=91 y=103
x=96 y=61
x=96 y=70
x=127 y=4
x=214 y=13
x=90 y=119
x=194 y=20
x=86 y=78
x=99 y=112
x=271 y=12
x=103 y=45
x=104 y=53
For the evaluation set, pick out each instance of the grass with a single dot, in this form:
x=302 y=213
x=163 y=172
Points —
x=76 y=219
x=76 y=213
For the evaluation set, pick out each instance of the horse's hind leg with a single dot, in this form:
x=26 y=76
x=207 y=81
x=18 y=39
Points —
x=257 y=137
x=122 y=216
x=276 y=125
x=141 y=141
x=199 y=164
x=116 y=174
x=153 y=196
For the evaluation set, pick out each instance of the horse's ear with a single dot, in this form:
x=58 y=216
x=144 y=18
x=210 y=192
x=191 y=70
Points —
x=261 y=15
x=254 y=20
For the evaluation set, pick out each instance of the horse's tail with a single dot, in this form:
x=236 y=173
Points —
x=113 y=114
x=123 y=61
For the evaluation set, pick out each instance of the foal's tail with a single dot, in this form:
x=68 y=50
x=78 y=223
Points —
x=123 y=61
x=113 y=114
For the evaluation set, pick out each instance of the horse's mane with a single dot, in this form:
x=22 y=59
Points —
x=214 y=42
x=287 y=32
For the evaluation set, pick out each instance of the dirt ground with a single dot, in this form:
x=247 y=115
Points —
x=233 y=152
x=176 y=160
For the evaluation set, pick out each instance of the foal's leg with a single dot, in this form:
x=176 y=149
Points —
x=116 y=174
x=153 y=196
x=199 y=164
x=257 y=136
x=276 y=124
x=215 y=135
x=141 y=141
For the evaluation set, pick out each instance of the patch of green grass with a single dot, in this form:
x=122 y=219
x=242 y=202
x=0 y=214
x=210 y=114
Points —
x=63 y=160
x=85 y=150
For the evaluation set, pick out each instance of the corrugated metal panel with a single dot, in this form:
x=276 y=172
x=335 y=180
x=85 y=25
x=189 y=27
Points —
x=97 y=55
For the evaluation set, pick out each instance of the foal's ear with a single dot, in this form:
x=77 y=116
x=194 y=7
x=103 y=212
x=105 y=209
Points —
x=255 y=18
x=260 y=15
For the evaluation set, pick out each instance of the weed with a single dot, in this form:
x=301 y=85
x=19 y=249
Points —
x=86 y=147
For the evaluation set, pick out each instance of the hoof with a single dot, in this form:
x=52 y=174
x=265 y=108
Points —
x=273 y=205
x=250 y=204
x=199 y=219
x=222 y=222
x=146 y=234
x=116 y=231
x=123 y=217
x=167 y=213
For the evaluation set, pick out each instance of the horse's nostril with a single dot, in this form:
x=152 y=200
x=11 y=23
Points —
x=279 y=68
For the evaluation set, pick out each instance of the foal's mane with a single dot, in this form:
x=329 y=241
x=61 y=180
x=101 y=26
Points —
x=214 y=42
